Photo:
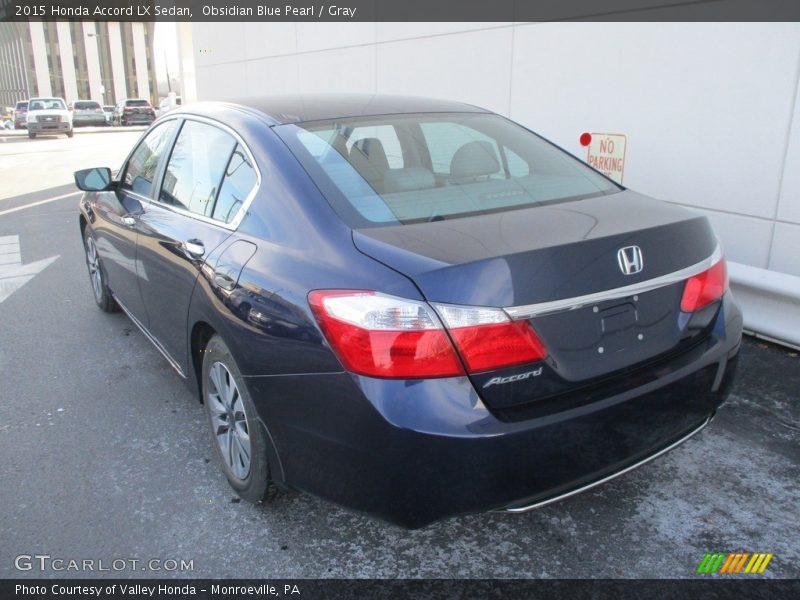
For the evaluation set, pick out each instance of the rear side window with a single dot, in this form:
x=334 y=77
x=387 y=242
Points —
x=141 y=168
x=240 y=179
x=196 y=167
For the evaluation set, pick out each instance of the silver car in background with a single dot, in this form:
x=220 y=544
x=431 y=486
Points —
x=87 y=112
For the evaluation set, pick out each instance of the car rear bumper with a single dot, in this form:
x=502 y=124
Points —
x=142 y=119
x=89 y=120
x=415 y=451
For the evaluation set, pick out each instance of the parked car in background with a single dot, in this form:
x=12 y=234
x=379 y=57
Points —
x=48 y=116
x=165 y=106
x=423 y=310
x=108 y=111
x=134 y=111
x=87 y=112
x=20 y=111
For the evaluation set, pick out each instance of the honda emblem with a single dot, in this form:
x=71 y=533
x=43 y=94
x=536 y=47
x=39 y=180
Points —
x=630 y=260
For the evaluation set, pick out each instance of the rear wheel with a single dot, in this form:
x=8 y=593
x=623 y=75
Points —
x=239 y=440
x=70 y=133
x=102 y=295
x=31 y=135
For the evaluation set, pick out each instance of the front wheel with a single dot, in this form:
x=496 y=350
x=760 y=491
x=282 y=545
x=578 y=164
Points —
x=239 y=440
x=102 y=295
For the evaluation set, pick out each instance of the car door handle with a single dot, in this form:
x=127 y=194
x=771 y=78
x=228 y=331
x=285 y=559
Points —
x=129 y=221
x=224 y=280
x=195 y=248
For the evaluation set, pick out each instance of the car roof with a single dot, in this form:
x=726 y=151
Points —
x=320 y=107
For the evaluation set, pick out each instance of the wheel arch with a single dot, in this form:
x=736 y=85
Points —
x=200 y=335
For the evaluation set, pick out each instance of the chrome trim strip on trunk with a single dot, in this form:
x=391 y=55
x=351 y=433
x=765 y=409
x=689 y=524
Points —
x=152 y=338
x=589 y=486
x=545 y=308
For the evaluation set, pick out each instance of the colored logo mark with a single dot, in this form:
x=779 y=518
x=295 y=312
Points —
x=734 y=562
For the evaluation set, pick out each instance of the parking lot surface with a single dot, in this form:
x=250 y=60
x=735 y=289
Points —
x=106 y=456
x=48 y=161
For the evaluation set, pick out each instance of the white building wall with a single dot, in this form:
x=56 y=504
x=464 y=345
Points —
x=40 y=58
x=67 y=61
x=93 y=61
x=117 y=61
x=711 y=111
x=140 y=60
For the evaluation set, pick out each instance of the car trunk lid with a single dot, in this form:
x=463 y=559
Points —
x=555 y=265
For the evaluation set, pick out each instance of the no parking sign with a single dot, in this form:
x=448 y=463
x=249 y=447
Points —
x=606 y=153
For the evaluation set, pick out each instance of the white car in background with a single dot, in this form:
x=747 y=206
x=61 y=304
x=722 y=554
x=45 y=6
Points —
x=48 y=116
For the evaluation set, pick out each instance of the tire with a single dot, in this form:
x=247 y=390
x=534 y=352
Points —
x=250 y=478
x=70 y=133
x=31 y=135
x=97 y=275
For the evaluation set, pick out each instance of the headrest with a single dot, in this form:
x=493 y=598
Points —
x=474 y=159
x=408 y=180
x=366 y=155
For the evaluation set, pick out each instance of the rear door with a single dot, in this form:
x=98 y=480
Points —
x=192 y=214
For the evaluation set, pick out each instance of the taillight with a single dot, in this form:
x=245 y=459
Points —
x=384 y=336
x=487 y=339
x=704 y=288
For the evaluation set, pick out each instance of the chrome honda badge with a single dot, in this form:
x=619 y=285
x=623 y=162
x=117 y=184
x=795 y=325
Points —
x=630 y=260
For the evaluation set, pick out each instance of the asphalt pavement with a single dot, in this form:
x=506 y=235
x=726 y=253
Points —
x=106 y=456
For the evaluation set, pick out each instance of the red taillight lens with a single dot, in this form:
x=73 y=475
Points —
x=487 y=339
x=384 y=336
x=704 y=288
x=489 y=347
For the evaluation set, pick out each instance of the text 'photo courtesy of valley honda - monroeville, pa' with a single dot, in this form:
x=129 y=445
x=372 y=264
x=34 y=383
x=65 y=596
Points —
x=413 y=308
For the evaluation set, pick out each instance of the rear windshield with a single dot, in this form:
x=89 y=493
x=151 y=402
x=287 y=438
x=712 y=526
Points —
x=402 y=169
x=22 y=105
x=47 y=104
x=86 y=105
x=137 y=103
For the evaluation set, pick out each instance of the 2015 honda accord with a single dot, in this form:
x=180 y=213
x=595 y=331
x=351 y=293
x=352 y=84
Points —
x=410 y=307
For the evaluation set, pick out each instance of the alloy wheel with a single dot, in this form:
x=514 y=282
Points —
x=229 y=420
x=93 y=262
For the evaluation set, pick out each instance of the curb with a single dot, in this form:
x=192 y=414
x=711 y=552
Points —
x=78 y=131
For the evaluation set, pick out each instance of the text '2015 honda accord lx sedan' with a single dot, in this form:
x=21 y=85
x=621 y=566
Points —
x=412 y=308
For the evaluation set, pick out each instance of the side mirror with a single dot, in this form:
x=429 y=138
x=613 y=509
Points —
x=93 y=180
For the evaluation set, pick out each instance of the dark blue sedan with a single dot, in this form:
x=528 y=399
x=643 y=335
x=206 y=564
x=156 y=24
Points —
x=410 y=307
